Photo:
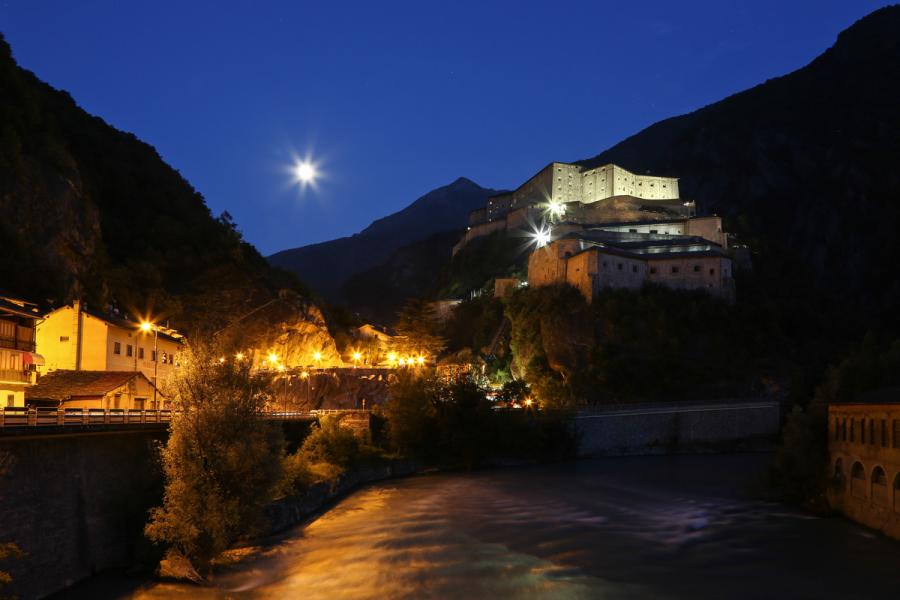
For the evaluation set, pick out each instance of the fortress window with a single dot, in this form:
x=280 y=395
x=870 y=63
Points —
x=884 y=434
x=862 y=431
x=852 y=430
x=871 y=431
x=620 y=266
x=696 y=268
x=632 y=231
x=895 y=442
x=64 y=338
x=712 y=271
x=654 y=231
x=674 y=269
x=653 y=270
x=634 y=268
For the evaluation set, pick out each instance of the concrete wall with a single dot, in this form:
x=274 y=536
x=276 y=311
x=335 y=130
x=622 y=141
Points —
x=660 y=429
x=864 y=444
x=76 y=505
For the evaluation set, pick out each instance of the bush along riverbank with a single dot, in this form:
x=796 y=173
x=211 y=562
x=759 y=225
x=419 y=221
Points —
x=229 y=480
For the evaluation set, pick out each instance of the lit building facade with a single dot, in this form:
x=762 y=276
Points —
x=593 y=260
x=18 y=356
x=106 y=390
x=78 y=339
x=864 y=446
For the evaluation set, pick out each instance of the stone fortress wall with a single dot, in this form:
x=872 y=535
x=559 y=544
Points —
x=567 y=184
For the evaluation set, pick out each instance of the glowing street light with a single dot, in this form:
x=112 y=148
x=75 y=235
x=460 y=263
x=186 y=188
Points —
x=420 y=360
x=239 y=356
x=357 y=356
x=146 y=327
x=273 y=358
x=317 y=356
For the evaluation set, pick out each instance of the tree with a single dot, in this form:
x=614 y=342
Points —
x=417 y=331
x=222 y=463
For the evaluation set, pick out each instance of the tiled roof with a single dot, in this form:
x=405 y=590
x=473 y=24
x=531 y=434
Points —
x=121 y=320
x=63 y=384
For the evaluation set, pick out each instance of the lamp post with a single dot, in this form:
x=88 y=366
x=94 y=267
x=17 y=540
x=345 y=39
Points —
x=146 y=326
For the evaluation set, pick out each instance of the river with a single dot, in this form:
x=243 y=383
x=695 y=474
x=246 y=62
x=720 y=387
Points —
x=643 y=527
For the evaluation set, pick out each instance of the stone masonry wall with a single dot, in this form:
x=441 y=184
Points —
x=662 y=429
x=76 y=505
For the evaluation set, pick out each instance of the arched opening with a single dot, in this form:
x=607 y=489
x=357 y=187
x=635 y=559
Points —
x=858 y=480
x=880 y=495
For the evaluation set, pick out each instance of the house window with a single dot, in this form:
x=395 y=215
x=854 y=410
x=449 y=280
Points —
x=64 y=338
x=696 y=268
x=139 y=403
x=712 y=271
x=129 y=350
x=141 y=353
x=117 y=348
x=674 y=269
x=10 y=399
x=153 y=355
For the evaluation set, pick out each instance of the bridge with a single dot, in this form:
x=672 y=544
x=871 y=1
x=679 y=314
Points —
x=18 y=421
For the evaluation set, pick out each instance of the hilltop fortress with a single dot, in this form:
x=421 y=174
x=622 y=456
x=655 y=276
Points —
x=607 y=227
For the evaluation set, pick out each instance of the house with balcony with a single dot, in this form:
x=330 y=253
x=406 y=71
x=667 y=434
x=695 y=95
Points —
x=18 y=356
x=81 y=338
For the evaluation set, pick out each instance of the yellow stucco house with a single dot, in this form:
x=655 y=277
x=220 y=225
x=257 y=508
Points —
x=76 y=338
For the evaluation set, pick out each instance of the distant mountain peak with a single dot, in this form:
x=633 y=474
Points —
x=327 y=265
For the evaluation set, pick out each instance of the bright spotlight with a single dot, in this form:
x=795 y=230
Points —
x=556 y=209
x=541 y=237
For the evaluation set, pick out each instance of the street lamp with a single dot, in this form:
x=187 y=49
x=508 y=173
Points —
x=146 y=327
x=356 y=358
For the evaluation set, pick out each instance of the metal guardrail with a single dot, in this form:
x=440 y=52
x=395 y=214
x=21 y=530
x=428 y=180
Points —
x=42 y=417
x=15 y=417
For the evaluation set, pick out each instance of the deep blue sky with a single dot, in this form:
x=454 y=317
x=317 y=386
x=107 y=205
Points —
x=395 y=99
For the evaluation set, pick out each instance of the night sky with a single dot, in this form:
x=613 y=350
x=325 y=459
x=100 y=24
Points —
x=395 y=99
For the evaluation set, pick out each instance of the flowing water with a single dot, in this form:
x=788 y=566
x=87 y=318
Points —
x=643 y=527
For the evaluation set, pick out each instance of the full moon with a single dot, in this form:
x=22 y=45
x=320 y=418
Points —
x=305 y=172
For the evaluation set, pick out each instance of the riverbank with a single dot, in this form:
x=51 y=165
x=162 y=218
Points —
x=686 y=526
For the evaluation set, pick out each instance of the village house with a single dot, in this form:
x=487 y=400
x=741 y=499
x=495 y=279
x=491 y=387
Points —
x=107 y=390
x=18 y=356
x=78 y=338
x=864 y=446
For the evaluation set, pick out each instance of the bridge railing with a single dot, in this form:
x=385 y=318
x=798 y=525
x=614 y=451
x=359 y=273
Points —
x=42 y=417
x=19 y=416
